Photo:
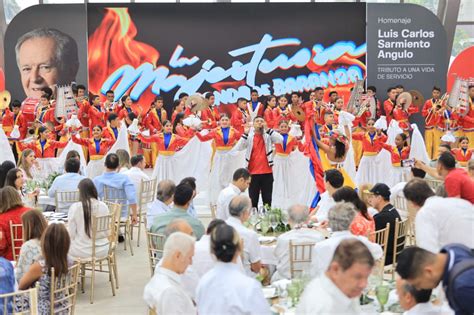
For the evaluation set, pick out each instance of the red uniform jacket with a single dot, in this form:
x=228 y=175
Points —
x=9 y=120
x=218 y=136
x=467 y=121
x=396 y=155
x=109 y=133
x=153 y=121
x=104 y=146
x=47 y=151
x=269 y=117
x=210 y=117
x=185 y=132
x=402 y=115
x=370 y=146
x=123 y=112
x=280 y=114
x=239 y=119
x=462 y=156
x=448 y=118
x=387 y=107
x=431 y=117
x=83 y=113
x=96 y=117
x=259 y=108
x=288 y=145
x=317 y=113
x=362 y=120
x=175 y=144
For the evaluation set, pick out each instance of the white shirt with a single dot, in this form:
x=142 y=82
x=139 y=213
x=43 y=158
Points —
x=324 y=250
x=155 y=208
x=322 y=296
x=251 y=252
x=226 y=290
x=136 y=175
x=443 y=221
x=223 y=201
x=165 y=294
x=282 y=249
x=397 y=190
x=325 y=204
x=426 y=308
x=81 y=244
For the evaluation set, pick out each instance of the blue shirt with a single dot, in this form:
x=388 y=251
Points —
x=65 y=182
x=117 y=181
x=7 y=282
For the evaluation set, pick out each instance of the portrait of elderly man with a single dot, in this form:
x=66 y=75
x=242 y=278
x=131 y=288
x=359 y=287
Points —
x=45 y=57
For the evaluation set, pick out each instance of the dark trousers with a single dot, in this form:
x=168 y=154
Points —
x=261 y=183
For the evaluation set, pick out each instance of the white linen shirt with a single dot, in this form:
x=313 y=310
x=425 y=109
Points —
x=251 y=252
x=282 y=249
x=443 y=221
x=155 y=208
x=426 y=308
x=324 y=250
x=226 y=290
x=322 y=296
x=325 y=204
x=136 y=175
x=165 y=294
x=224 y=199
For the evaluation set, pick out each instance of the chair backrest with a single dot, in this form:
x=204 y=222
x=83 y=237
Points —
x=63 y=291
x=119 y=196
x=400 y=203
x=381 y=237
x=28 y=304
x=155 y=243
x=301 y=255
x=102 y=229
x=114 y=211
x=434 y=183
x=147 y=193
x=64 y=199
x=16 y=237
x=400 y=238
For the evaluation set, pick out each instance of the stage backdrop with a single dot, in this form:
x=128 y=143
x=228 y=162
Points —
x=166 y=49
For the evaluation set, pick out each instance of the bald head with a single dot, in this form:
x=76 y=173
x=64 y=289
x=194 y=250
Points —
x=165 y=191
x=298 y=214
x=239 y=206
x=178 y=225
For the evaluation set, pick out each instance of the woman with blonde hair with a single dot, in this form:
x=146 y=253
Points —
x=28 y=164
x=364 y=194
x=124 y=160
x=34 y=225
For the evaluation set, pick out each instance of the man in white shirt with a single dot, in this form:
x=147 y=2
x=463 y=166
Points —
x=164 y=292
x=239 y=209
x=164 y=197
x=337 y=290
x=240 y=183
x=415 y=301
x=67 y=182
x=136 y=172
x=397 y=189
x=333 y=180
x=340 y=218
x=298 y=215
x=439 y=221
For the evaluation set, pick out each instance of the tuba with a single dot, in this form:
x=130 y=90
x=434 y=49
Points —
x=458 y=99
x=65 y=103
x=368 y=104
x=354 y=101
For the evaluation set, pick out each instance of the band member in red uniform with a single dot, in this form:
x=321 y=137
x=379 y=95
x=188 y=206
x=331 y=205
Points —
x=96 y=112
x=316 y=108
x=258 y=142
x=16 y=118
x=447 y=118
x=110 y=105
x=268 y=113
x=338 y=106
x=211 y=114
x=178 y=107
x=399 y=152
x=431 y=118
x=401 y=115
x=295 y=99
x=180 y=129
x=463 y=153
x=155 y=116
x=372 y=92
x=126 y=107
x=42 y=108
x=254 y=107
x=240 y=116
x=282 y=111
x=332 y=99
x=44 y=147
x=467 y=121
x=329 y=124
x=112 y=130
x=389 y=103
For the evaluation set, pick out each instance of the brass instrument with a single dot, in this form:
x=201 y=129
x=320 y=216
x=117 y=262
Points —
x=5 y=98
x=356 y=95
x=459 y=97
x=197 y=103
x=407 y=98
x=367 y=104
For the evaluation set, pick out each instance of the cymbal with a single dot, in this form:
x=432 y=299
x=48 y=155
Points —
x=298 y=112
x=407 y=99
x=418 y=99
x=5 y=98
x=197 y=103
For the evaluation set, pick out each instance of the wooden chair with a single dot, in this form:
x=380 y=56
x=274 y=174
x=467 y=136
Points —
x=10 y=307
x=146 y=195
x=213 y=211
x=434 y=183
x=118 y=196
x=115 y=210
x=16 y=237
x=399 y=241
x=103 y=231
x=381 y=237
x=400 y=203
x=151 y=311
x=63 y=291
x=155 y=243
x=301 y=256
x=64 y=199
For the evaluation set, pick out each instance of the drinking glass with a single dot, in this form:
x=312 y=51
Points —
x=381 y=292
x=284 y=218
x=264 y=225
x=273 y=222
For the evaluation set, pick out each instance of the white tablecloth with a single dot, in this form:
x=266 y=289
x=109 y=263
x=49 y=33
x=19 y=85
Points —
x=268 y=256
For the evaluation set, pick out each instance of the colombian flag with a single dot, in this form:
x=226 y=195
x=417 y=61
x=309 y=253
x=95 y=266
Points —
x=315 y=166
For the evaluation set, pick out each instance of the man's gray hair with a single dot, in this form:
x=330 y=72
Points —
x=178 y=242
x=238 y=205
x=340 y=216
x=298 y=214
x=165 y=190
x=174 y=226
x=66 y=56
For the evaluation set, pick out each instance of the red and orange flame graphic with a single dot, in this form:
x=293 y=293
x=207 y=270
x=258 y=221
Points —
x=112 y=45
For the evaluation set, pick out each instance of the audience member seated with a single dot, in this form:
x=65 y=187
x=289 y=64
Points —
x=55 y=246
x=380 y=200
x=239 y=210
x=73 y=154
x=16 y=180
x=136 y=172
x=415 y=301
x=191 y=181
x=452 y=266
x=163 y=292
x=340 y=218
x=69 y=180
x=182 y=198
x=113 y=179
x=457 y=182
x=439 y=221
x=164 y=197
x=225 y=289
x=297 y=217
x=4 y=168
x=363 y=223
x=240 y=183
x=80 y=222
x=34 y=224
x=337 y=290
x=333 y=180
x=365 y=196
x=397 y=190
x=7 y=281
x=124 y=161
x=11 y=209
x=28 y=164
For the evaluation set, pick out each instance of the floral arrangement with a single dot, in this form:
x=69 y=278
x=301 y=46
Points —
x=44 y=184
